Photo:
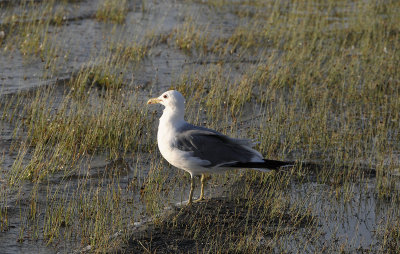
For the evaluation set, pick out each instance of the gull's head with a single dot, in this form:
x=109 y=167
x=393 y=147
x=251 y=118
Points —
x=171 y=100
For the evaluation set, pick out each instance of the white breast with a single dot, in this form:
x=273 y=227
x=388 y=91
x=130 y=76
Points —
x=166 y=138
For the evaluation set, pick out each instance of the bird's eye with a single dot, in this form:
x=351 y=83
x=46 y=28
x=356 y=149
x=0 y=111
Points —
x=165 y=96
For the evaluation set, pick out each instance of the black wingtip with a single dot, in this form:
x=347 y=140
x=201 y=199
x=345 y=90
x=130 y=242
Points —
x=267 y=164
x=274 y=164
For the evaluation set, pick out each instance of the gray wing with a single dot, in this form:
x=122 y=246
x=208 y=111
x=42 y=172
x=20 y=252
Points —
x=214 y=147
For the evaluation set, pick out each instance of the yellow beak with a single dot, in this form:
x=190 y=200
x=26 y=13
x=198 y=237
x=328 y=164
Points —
x=153 y=101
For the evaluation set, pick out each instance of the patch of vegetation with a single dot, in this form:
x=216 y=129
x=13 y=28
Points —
x=189 y=37
x=234 y=224
x=61 y=134
x=112 y=11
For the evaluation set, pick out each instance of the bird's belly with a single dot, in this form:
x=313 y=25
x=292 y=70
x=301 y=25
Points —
x=174 y=156
x=182 y=159
x=166 y=152
x=169 y=152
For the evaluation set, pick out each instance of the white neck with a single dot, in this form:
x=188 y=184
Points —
x=173 y=118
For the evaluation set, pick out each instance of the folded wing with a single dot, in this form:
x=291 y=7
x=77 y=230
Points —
x=216 y=148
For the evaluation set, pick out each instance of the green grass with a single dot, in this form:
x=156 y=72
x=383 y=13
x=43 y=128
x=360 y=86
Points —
x=112 y=11
x=61 y=134
x=310 y=80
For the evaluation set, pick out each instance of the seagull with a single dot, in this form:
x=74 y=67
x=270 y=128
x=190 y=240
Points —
x=199 y=150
